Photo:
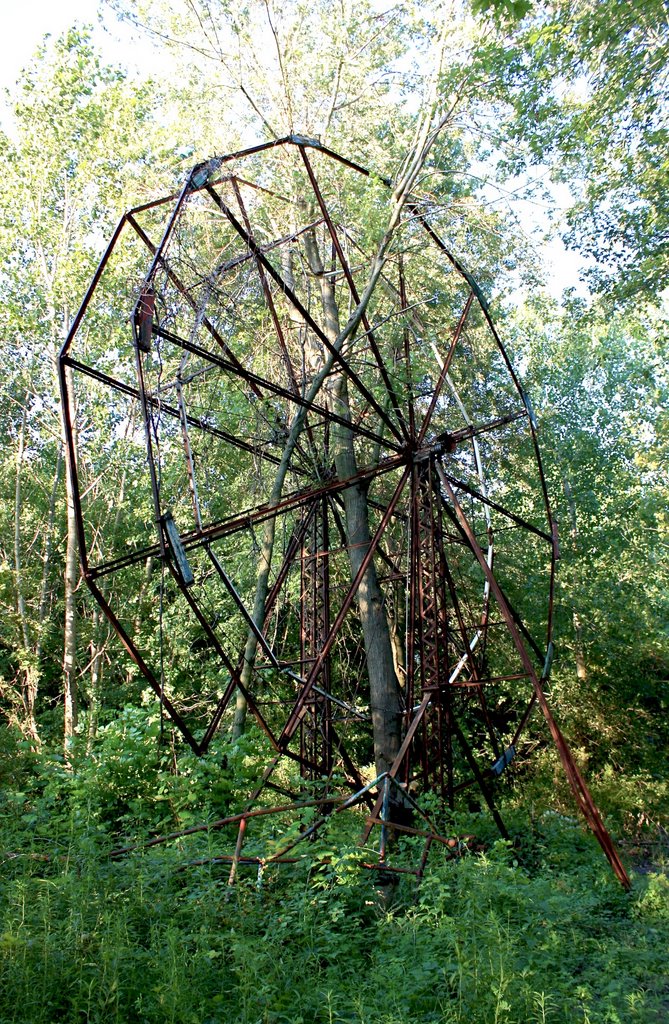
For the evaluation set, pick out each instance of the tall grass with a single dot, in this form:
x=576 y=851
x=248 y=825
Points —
x=535 y=931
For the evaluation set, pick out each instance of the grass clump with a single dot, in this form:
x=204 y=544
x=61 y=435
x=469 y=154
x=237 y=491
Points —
x=536 y=930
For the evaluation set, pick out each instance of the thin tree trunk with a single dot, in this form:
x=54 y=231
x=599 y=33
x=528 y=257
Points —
x=396 y=625
x=579 y=654
x=30 y=681
x=96 y=649
x=47 y=559
x=142 y=608
x=48 y=552
x=262 y=580
x=71 y=581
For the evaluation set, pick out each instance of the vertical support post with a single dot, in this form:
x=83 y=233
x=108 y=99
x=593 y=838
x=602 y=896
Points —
x=432 y=628
x=316 y=726
x=238 y=850
x=385 y=815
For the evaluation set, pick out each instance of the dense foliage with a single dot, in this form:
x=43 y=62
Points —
x=537 y=930
x=532 y=930
x=586 y=84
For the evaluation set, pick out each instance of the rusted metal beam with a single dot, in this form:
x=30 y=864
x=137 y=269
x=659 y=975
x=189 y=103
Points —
x=304 y=697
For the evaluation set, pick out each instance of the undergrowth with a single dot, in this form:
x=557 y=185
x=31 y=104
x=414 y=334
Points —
x=533 y=930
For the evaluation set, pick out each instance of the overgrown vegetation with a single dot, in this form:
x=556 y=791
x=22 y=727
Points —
x=536 y=930
x=532 y=930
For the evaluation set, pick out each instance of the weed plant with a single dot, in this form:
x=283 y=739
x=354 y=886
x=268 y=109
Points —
x=536 y=930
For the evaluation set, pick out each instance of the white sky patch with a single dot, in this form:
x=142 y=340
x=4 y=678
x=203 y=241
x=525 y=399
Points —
x=23 y=26
x=537 y=212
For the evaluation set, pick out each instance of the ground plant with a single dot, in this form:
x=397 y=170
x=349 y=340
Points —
x=531 y=929
x=473 y=103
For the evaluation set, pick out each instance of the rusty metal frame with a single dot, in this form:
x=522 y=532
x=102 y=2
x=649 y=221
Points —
x=419 y=488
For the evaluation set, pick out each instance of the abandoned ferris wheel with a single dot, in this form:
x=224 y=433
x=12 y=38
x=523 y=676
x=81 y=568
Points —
x=331 y=519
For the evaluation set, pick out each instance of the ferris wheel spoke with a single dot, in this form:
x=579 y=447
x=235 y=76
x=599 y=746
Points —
x=461 y=485
x=473 y=431
x=161 y=261
x=445 y=365
x=169 y=410
x=293 y=720
x=261 y=383
x=369 y=333
x=335 y=352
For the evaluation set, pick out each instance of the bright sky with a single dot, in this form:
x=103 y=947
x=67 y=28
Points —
x=23 y=24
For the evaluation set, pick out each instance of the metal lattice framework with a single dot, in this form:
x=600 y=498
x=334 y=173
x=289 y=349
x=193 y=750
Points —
x=217 y=379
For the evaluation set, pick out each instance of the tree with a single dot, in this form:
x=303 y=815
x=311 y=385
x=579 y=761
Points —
x=601 y=385
x=584 y=88
x=320 y=69
x=72 y=157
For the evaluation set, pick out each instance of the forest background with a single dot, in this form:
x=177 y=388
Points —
x=573 y=93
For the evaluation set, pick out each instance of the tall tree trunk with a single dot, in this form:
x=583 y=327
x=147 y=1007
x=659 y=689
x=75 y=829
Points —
x=384 y=687
x=384 y=691
x=579 y=654
x=71 y=580
x=30 y=669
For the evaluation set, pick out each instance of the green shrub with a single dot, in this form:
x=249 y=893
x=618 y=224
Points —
x=531 y=930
